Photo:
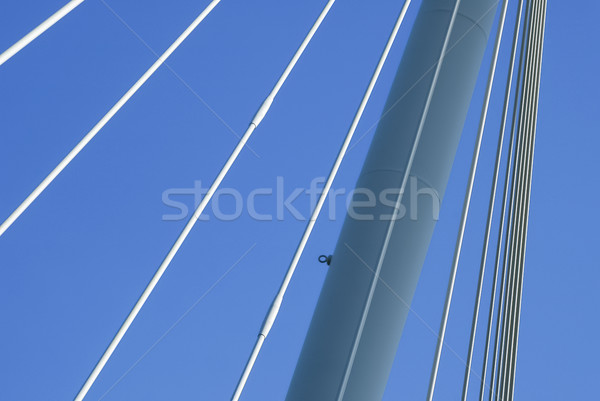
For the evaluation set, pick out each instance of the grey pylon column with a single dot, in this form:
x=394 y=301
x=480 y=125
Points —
x=340 y=359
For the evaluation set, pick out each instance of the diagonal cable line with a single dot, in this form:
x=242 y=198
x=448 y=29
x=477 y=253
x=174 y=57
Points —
x=40 y=29
x=188 y=86
x=277 y=301
x=104 y=120
x=254 y=123
x=179 y=320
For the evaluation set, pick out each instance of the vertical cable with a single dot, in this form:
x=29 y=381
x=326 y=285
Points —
x=492 y=195
x=504 y=302
x=539 y=37
x=515 y=249
x=507 y=98
x=518 y=221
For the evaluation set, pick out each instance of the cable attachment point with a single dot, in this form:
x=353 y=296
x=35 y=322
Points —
x=325 y=259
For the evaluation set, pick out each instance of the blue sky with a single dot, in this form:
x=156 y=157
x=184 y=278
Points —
x=74 y=264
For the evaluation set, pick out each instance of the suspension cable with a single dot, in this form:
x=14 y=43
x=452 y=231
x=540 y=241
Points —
x=103 y=121
x=258 y=117
x=276 y=304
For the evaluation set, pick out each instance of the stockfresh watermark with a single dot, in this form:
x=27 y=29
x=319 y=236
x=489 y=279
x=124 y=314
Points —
x=280 y=202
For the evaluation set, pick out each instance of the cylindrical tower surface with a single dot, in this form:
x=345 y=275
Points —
x=325 y=359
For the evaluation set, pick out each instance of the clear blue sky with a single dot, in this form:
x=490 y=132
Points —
x=73 y=265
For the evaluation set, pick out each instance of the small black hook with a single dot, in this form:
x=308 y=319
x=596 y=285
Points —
x=325 y=259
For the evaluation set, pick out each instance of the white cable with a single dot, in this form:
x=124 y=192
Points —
x=100 y=364
x=525 y=107
x=509 y=239
x=530 y=128
x=492 y=194
x=258 y=117
x=510 y=179
x=465 y=212
x=37 y=31
x=504 y=197
x=276 y=304
x=540 y=45
x=92 y=133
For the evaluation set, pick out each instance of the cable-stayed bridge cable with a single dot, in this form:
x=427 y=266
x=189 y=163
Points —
x=258 y=117
x=276 y=304
x=530 y=128
x=516 y=238
x=37 y=31
x=516 y=224
x=491 y=202
x=508 y=206
x=465 y=214
x=104 y=120
x=505 y=109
